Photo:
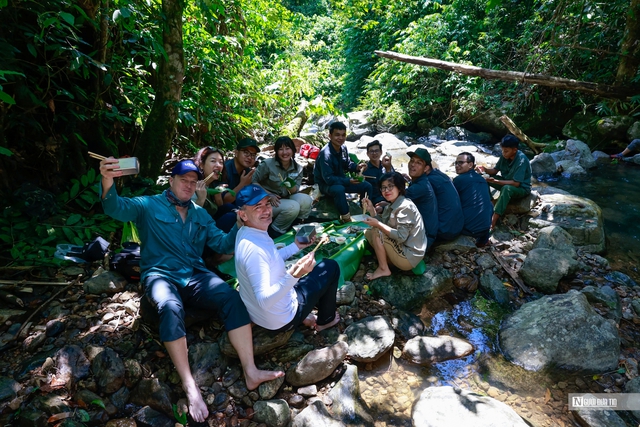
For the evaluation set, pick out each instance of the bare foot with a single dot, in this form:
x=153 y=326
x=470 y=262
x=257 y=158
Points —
x=328 y=325
x=197 y=408
x=257 y=377
x=378 y=273
x=310 y=321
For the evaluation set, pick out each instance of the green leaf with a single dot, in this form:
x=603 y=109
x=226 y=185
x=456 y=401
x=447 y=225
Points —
x=73 y=219
x=3 y=3
x=74 y=190
x=68 y=233
x=32 y=50
x=98 y=402
x=83 y=415
x=91 y=175
x=68 y=17
x=49 y=21
x=6 y=151
x=84 y=180
x=6 y=98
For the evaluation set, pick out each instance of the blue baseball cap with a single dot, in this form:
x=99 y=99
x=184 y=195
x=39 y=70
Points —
x=250 y=195
x=186 y=166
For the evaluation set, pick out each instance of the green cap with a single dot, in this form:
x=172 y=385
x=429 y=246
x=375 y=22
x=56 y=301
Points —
x=247 y=142
x=422 y=153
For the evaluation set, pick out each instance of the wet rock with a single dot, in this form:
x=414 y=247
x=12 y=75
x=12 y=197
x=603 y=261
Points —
x=428 y=350
x=121 y=422
x=132 y=372
x=486 y=261
x=607 y=296
x=570 y=169
x=543 y=268
x=32 y=417
x=493 y=287
x=231 y=375
x=238 y=389
x=152 y=392
x=466 y=282
x=315 y=415
x=8 y=389
x=269 y=389
x=556 y=238
x=274 y=413
x=317 y=365
x=120 y=398
x=408 y=325
x=54 y=327
x=296 y=401
x=51 y=403
x=87 y=397
x=369 y=338
x=108 y=282
x=346 y=294
x=601 y=157
x=149 y=417
x=560 y=331
x=34 y=341
x=206 y=362
x=620 y=278
x=448 y=406
x=579 y=153
x=293 y=350
x=108 y=370
x=308 y=391
x=263 y=342
x=71 y=363
x=598 y=418
x=580 y=217
x=633 y=386
x=522 y=205
x=409 y=292
x=461 y=243
x=543 y=164
x=348 y=405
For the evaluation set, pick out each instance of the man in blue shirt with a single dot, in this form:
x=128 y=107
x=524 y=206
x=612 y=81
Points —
x=474 y=198
x=173 y=231
x=421 y=193
x=376 y=167
x=515 y=180
x=329 y=171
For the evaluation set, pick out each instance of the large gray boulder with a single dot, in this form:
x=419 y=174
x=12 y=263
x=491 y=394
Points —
x=315 y=415
x=579 y=152
x=522 y=205
x=360 y=123
x=543 y=268
x=543 y=164
x=369 y=338
x=409 y=292
x=448 y=406
x=582 y=127
x=560 y=331
x=263 y=342
x=317 y=365
x=274 y=413
x=607 y=296
x=348 y=405
x=614 y=127
x=207 y=362
x=570 y=169
x=556 y=238
x=428 y=350
x=578 y=216
x=634 y=131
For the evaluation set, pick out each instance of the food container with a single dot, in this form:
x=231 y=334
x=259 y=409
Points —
x=306 y=233
x=340 y=239
x=129 y=165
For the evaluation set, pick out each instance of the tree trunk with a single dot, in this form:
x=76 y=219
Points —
x=535 y=146
x=630 y=46
x=160 y=127
x=605 y=91
x=293 y=128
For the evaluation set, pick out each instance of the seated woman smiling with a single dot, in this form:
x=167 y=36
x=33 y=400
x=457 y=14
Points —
x=397 y=235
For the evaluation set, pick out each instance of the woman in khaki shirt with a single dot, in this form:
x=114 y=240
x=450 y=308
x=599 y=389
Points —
x=281 y=177
x=397 y=235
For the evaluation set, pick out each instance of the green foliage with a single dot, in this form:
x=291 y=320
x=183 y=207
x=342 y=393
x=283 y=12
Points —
x=180 y=417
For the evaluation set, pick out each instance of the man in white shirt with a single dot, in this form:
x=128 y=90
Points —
x=278 y=299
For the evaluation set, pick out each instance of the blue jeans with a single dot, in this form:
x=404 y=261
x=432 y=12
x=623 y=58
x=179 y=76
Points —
x=339 y=194
x=205 y=290
x=317 y=289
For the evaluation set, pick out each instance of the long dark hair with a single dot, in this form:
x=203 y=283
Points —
x=202 y=155
x=287 y=142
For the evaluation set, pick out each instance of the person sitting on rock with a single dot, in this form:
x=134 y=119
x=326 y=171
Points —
x=450 y=217
x=278 y=298
x=514 y=181
x=174 y=231
x=397 y=235
x=474 y=199
x=633 y=147
x=420 y=192
x=282 y=177
x=329 y=171
x=376 y=167
x=239 y=174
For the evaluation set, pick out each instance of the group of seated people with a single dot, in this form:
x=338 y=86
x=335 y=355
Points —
x=242 y=217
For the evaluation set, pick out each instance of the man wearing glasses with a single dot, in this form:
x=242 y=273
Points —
x=240 y=169
x=376 y=167
x=474 y=198
x=330 y=170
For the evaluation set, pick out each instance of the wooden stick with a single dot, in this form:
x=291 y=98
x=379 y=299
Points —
x=96 y=156
x=510 y=271
x=364 y=207
x=31 y=282
x=209 y=176
x=369 y=177
x=323 y=240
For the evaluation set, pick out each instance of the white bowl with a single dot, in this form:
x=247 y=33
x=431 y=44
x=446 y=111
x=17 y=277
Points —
x=340 y=240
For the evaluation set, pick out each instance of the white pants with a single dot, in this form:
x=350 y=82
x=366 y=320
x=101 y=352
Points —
x=298 y=205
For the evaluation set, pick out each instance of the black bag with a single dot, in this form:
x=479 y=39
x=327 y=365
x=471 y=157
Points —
x=127 y=262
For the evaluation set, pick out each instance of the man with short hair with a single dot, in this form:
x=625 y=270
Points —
x=277 y=298
x=474 y=199
x=450 y=217
x=377 y=166
x=329 y=171
x=515 y=179
x=174 y=231
x=420 y=192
